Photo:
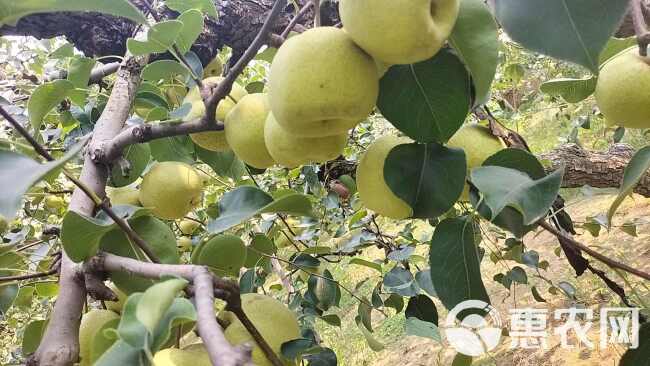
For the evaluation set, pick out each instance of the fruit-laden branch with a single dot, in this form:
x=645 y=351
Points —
x=205 y=286
x=599 y=169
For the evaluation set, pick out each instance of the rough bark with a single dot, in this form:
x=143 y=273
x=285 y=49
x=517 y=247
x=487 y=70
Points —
x=599 y=169
x=99 y=35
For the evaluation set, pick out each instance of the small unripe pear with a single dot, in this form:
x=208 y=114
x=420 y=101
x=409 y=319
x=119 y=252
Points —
x=91 y=323
x=188 y=227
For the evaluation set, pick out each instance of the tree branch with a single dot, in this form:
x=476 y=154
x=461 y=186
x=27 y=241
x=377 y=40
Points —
x=601 y=257
x=29 y=276
x=640 y=27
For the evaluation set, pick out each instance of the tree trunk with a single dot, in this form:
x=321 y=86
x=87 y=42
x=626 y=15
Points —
x=599 y=169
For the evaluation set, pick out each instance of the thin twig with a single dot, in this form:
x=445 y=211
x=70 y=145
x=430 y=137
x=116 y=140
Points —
x=317 y=13
x=285 y=33
x=601 y=257
x=225 y=86
x=29 y=276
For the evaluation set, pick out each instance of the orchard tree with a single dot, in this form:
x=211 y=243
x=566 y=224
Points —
x=181 y=168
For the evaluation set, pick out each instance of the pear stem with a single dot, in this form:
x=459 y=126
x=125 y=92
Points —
x=640 y=27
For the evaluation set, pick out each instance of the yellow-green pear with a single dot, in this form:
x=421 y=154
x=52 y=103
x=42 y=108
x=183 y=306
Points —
x=54 y=203
x=373 y=190
x=623 y=90
x=123 y=196
x=399 y=31
x=184 y=243
x=194 y=355
x=188 y=227
x=92 y=322
x=213 y=140
x=321 y=83
x=214 y=68
x=291 y=151
x=478 y=143
x=171 y=189
x=245 y=130
x=116 y=306
x=275 y=322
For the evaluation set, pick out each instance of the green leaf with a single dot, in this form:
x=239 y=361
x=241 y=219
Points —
x=18 y=173
x=475 y=38
x=8 y=294
x=160 y=38
x=177 y=148
x=575 y=31
x=421 y=307
x=374 y=344
x=429 y=177
x=105 y=337
x=260 y=245
x=641 y=355
x=81 y=235
x=65 y=51
x=455 y=264
x=44 y=98
x=423 y=278
x=400 y=281
x=245 y=202
x=365 y=263
x=461 y=360
x=79 y=75
x=155 y=302
x=32 y=336
x=158 y=236
x=206 y=6
x=364 y=313
x=121 y=353
x=536 y=295
x=323 y=291
x=138 y=156
x=225 y=164
x=164 y=70
x=131 y=330
x=11 y=10
x=517 y=159
x=616 y=46
x=181 y=313
x=428 y=101
x=332 y=319
x=504 y=187
x=421 y=328
x=192 y=28
x=571 y=90
x=635 y=170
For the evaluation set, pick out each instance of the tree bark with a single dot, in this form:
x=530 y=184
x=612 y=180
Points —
x=598 y=169
x=98 y=35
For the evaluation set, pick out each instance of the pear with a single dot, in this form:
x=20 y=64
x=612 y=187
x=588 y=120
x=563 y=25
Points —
x=123 y=196
x=275 y=322
x=373 y=190
x=245 y=130
x=214 y=68
x=184 y=243
x=188 y=227
x=321 y=83
x=399 y=31
x=91 y=324
x=54 y=203
x=194 y=355
x=212 y=140
x=478 y=143
x=623 y=90
x=291 y=151
x=171 y=189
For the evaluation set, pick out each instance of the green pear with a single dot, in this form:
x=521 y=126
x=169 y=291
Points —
x=194 y=355
x=54 y=203
x=116 y=306
x=291 y=151
x=91 y=324
x=171 y=189
x=399 y=31
x=184 y=243
x=188 y=227
x=214 y=68
x=245 y=130
x=224 y=254
x=213 y=140
x=479 y=144
x=321 y=83
x=123 y=196
x=373 y=190
x=623 y=90
x=275 y=322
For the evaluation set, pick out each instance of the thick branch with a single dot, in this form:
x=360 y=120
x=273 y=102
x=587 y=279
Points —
x=599 y=169
x=640 y=26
